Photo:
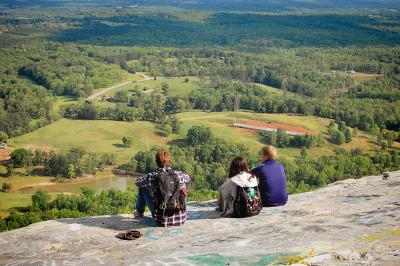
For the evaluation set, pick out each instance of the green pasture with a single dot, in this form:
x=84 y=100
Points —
x=95 y=136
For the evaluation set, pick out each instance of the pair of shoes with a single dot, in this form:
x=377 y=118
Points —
x=129 y=235
x=138 y=215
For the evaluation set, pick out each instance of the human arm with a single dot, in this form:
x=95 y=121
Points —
x=256 y=171
x=146 y=181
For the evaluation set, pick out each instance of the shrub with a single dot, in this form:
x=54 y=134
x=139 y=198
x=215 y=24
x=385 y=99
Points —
x=127 y=141
x=21 y=157
x=199 y=135
x=6 y=187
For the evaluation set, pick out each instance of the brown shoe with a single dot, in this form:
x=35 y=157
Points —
x=138 y=215
x=129 y=235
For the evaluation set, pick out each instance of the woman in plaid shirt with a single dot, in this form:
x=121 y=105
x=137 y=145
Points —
x=146 y=187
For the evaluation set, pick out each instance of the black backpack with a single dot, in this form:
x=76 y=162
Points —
x=247 y=203
x=167 y=194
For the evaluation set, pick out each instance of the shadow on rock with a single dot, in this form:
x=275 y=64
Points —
x=113 y=222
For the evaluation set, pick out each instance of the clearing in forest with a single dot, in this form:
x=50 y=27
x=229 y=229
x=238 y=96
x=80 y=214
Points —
x=257 y=125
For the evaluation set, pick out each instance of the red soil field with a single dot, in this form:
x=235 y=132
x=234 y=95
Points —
x=286 y=127
x=245 y=131
x=4 y=155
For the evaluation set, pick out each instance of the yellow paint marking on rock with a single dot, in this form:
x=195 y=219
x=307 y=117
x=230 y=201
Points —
x=381 y=235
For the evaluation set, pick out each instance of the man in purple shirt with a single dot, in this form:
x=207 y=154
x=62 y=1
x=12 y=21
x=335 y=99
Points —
x=272 y=178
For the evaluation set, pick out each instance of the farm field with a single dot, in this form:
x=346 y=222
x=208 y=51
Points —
x=94 y=136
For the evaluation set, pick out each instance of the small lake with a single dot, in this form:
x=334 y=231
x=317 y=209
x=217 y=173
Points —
x=98 y=184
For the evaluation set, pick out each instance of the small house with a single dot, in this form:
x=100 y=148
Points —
x=351 y=71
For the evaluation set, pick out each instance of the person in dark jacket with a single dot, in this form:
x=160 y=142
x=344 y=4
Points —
x=272 y=178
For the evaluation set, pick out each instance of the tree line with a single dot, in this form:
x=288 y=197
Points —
x=74 y=163
x=283 y=140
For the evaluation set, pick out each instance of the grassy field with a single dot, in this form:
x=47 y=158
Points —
x=94 y=136
x=13 y=200
x=272 y=90
x=177 y=85
x=361 y=77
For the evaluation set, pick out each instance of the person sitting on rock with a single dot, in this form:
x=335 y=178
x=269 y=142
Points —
x=239 y=196
x=272 y=178
x=164 y=193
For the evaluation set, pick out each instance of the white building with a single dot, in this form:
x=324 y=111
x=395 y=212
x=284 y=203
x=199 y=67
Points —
x=266 y=129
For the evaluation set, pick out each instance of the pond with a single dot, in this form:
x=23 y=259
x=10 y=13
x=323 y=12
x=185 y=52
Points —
x=98 y=184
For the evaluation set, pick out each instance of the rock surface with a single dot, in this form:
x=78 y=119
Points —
x=349 y=222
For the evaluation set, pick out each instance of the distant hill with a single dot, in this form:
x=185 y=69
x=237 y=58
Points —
x=220 y=5
x=269 y=5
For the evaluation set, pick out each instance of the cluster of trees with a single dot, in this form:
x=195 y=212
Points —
x=74 y=163
x=305 y=174
x=149 y=107
x=23 y=107
x=169 y=124
x=282 y=140
x=64 y=69
x=340 y=134
x=87 y=203
x=380 y=88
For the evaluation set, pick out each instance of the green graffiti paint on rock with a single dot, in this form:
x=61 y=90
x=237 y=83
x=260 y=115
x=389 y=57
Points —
x=270 y=258
x=220 y=260
x=212 y=260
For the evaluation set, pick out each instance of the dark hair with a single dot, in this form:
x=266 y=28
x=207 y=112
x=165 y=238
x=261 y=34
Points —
x=163 y=158
x=238 y=165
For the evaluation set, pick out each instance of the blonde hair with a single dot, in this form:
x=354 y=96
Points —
x=269 y=151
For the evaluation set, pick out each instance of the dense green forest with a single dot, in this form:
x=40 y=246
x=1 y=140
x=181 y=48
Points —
x=235 y=5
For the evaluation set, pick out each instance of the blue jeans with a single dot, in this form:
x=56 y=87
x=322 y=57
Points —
x=144 y=198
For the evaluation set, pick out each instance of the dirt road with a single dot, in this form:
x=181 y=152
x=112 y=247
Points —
x=100 y=93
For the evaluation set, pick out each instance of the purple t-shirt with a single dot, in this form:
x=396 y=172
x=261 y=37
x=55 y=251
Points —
x=272 y=185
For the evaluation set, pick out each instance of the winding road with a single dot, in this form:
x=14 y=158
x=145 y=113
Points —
x=100 y=93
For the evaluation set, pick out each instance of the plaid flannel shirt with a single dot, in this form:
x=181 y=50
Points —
x=179 y=217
